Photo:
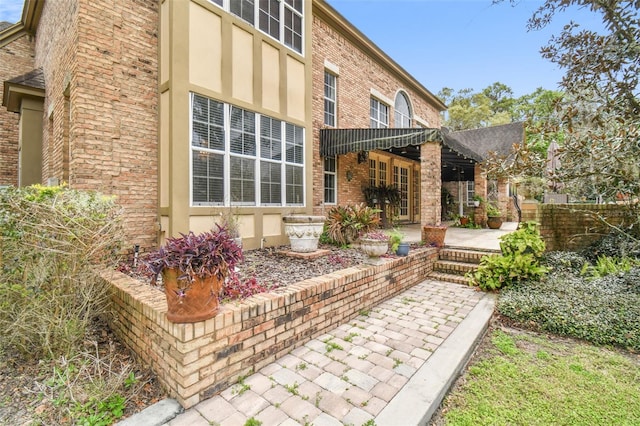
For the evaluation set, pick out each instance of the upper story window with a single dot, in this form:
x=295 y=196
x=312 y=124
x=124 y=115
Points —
x=379 y=114
x=402 y=111
x=281 y=19
x=329 y=99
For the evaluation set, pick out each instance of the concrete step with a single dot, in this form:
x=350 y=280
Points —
x=464 y=255
x=453 y=267
x=449 y=278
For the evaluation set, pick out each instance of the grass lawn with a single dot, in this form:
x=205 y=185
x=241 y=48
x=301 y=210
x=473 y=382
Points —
x=523 y=378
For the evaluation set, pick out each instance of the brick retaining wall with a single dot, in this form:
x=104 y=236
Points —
x=573 y=226
x=196 y=361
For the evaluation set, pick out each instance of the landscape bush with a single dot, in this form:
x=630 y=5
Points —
x=53 y=241
x=345 y=223
x=519 y=261
x=602 y=310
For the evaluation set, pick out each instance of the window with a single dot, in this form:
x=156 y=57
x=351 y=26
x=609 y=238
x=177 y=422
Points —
x=377 y=172
x=379 y=114
x=471 y=191
x=402 y=111
x=330 y=180
x=281 y=19
x=294 y=159
x=237 y=157
x=244 y=9
x=269 y=17
x=293 y=24
x=329 y=99
x=271 y=161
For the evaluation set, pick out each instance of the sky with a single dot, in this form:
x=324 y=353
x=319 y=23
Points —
x=450 y=43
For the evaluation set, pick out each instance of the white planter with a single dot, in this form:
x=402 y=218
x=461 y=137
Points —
x=303 y=232
x=374 y=248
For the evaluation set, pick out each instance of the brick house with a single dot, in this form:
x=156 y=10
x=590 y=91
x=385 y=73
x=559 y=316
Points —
x=186 y=109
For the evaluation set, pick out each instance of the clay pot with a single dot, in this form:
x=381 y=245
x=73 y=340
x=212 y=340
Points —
x=194 y=302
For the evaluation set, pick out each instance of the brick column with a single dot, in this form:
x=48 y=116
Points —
x=430 y=183
x=480 y=188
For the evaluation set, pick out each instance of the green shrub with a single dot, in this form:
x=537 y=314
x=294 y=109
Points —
x=53 y=241
x=614 y=244
x=345 y=223
x=519 y=261
x=606 y=265
x=604 y=310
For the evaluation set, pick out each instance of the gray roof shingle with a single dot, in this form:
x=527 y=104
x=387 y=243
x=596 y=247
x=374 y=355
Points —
x=482 y=141
x=34 y=78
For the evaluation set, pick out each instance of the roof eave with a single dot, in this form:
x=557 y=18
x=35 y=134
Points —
x=28 y=24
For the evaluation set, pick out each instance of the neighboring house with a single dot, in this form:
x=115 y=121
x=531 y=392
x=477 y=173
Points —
x=185 y=109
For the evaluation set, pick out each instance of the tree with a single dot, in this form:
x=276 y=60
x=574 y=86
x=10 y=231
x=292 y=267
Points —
x=600 y=111
x=469 y=110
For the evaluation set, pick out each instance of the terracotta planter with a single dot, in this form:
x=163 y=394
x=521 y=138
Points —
x=303 y=232
x=464 y=220
x=198 y=303
x=494 y=222
x=434 y=235
x=374 y=248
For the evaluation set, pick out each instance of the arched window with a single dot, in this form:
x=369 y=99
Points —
x=403 y=111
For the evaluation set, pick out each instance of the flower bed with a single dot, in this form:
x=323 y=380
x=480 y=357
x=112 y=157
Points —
x=196 y=361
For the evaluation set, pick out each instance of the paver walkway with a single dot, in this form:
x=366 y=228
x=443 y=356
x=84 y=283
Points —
x=348 y=376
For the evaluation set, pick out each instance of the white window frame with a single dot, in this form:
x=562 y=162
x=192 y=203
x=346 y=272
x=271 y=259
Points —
x=400 y=116
x=332 y=159
x=284 y=6
x=470 y=191
x=331 y=100
x=257 y=159
x=376 y=121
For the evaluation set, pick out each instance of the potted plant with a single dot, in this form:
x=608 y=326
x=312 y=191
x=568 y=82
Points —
x=303 y=231
x=397 y=245
x=193 y=269
x=477 y=200
x=374 y=243
x=494 y=219
x=433 y=234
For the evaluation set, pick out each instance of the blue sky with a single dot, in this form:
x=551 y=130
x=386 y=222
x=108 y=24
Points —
x=449 y=43
x=463 y=44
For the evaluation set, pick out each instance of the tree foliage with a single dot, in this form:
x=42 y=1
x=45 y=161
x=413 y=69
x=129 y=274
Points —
x=599 y=113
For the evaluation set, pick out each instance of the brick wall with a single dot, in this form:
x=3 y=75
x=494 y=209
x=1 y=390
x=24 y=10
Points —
x=358 y=74
x=16 y=58
x=575 y=226
x=196 y=361
x=100 y=63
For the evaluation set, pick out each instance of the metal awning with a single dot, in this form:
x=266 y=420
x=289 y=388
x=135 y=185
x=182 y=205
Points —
x=343 y=141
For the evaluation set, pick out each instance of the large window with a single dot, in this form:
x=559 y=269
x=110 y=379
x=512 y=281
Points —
x=402 y=112
x=237 y=157
x=281 y=19
x=329 y=99
x=379 y=113
x=330 y=180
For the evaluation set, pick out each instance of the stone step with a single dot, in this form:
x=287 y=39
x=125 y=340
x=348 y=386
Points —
x=449 y=278
x=453 y=267
x=462 y=255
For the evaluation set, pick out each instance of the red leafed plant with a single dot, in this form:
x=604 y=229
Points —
x=197 y=255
